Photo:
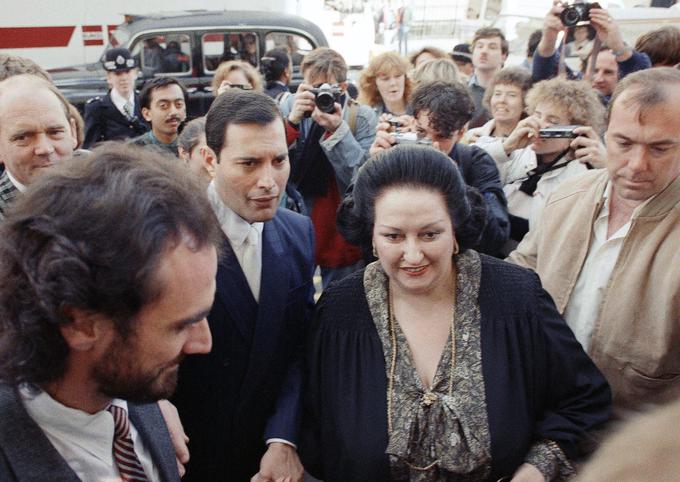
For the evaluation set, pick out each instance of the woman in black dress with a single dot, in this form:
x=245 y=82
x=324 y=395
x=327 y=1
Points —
x=436 y=362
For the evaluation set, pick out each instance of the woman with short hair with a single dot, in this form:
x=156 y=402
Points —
x=384 y=84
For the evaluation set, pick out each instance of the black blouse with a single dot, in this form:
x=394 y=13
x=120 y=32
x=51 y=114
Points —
x=539 y=383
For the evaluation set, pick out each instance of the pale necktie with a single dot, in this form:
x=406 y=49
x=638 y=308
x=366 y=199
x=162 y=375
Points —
x=252 y=263
x=129 y=466
x=128 y=108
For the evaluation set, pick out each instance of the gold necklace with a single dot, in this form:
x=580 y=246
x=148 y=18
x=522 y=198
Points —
x=429 y=397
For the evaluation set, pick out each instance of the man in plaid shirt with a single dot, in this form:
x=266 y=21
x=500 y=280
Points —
x=36 y=131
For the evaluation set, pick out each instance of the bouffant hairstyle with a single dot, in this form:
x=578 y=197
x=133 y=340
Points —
x=662 y=45
x=433 y=51
x=581 y=102
x=248 y=70
x=515 y=76
x=418 y=167
x=388 y=63
x=449 y=105
x=445 y=70
x=90 y=234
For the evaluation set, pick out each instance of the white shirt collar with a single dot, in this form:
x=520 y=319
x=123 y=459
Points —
x=16 y=183
x=119 y=101
x=234 y=226
x=91 y=432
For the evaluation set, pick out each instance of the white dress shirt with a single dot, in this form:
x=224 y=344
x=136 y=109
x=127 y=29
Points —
x=241 y=234
x=16 y=183
x=84 y=441
x=583 y=308
x=119 y=101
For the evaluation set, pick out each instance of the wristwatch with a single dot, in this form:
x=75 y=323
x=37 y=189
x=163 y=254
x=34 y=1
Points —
x=619 y=53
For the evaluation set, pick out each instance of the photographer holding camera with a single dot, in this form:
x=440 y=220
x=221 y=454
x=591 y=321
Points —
x=560 y=139
x=613 y=62
x=328 y=135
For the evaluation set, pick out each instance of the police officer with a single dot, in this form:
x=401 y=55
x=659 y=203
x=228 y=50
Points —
x=117 y=115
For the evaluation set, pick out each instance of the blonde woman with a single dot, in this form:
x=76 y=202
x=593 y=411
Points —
x=384 y=84
x=236 y=74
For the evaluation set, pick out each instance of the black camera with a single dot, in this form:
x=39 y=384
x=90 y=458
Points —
x=326 y=97
x=577 y=13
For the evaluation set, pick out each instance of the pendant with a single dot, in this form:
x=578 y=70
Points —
x=428 y=399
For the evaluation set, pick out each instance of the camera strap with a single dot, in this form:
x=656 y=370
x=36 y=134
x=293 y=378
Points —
x=530 y=184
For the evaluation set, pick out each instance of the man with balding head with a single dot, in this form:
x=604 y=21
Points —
x=606 y=246
x=35 y=132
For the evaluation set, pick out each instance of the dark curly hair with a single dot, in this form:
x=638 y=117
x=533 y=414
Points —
x=90 y=234
x=412 y=166
x=449 y=105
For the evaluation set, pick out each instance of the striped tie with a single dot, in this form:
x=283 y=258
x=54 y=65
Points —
x=129 y=466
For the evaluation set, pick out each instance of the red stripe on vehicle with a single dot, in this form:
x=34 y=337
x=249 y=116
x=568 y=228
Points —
x=92 y=35
x=35 y=37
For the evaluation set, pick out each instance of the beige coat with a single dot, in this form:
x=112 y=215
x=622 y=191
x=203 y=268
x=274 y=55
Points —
x=636 y=339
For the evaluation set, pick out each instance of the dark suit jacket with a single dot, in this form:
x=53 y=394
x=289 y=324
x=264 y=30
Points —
x=104 y=122
x=8 y=192
x=248 y=388
x=26 y=454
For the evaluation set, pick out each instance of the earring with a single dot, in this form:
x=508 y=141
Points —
x=456 y=248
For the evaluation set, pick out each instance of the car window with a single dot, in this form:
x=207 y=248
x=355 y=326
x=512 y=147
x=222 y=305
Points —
x=225 y=46
x=167 y=54
x=297 y=45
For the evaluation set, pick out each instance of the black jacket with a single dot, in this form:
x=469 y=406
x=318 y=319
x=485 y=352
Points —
x=104 y=122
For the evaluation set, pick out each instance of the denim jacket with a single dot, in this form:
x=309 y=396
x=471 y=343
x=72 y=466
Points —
x=345 y=151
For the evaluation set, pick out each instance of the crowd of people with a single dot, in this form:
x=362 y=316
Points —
x=497 y=246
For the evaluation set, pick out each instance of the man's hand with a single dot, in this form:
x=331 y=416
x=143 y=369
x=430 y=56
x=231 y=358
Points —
x=330 y=122
x=527 y=473
x=280 y=463
x=552 y=26
x=177 y=436
x=608 y=32
x=588 y=148
x=303 y=103
x=524 y=134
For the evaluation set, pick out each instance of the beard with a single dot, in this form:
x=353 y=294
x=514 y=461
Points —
x=119 y=374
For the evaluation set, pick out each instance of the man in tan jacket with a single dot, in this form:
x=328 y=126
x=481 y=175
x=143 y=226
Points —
x=607 y=247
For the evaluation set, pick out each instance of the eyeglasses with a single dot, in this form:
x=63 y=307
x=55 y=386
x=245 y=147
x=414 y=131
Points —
x=239 y=86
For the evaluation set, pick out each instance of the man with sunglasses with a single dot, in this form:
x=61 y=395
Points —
x=327 y=146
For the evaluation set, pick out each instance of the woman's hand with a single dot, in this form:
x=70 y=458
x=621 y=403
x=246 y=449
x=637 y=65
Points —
x=523 y=135
x=527 y=473
x=588 y=148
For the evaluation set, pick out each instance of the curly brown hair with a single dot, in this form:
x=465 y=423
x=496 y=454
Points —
x=448 y=104
x=90 y=234
x=581 y=102
x=388 y=63
x=248 y=70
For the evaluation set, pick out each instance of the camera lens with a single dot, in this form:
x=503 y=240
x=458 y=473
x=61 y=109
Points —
x=570 y=16
x=325 y=101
